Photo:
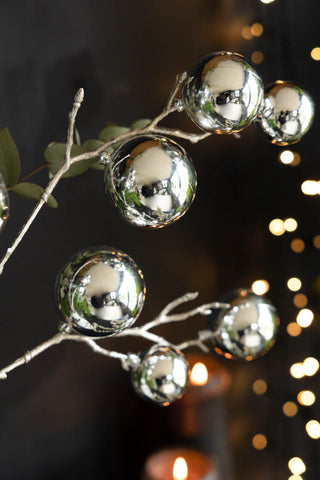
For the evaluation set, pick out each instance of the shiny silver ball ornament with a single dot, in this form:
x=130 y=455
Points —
x=4 y=203
x=161 y=376
x=100 y=292
x=247 y=328
x=152 y=181
x=286 y=114
x=222 y=93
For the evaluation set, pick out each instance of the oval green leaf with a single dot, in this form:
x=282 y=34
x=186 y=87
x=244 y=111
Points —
x=33 y=191
x=9 y=158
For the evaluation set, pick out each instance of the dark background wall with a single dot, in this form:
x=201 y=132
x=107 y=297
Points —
x=72 y=414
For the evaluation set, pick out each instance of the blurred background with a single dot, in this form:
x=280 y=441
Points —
x=72 y=414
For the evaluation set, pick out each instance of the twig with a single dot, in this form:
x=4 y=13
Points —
x=128 y=359
x=51 y=185
x=36 y=170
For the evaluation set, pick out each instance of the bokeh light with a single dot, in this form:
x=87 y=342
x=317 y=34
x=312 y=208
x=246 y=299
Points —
x=306 y=398
x=316 y=241
x=313 y=429
x=305 y=317
x=290 y=409
x=246 y=33
x=276 y=227
x=257 y=57
x=296 y=465
x=259 y=441
x=294 y=284
x=199 y=374
x=296 y=370
x=260 y=287
x=256 y=29
x=294 y=329
x=300 y=300
x=310 y=366
x=290 y=224
x=286 y=157
x=266 y=1
x=310 y=187
x=259 y=386
x=315 y=53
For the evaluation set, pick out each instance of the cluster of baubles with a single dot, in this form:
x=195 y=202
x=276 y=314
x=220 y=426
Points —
x=101 y=291
x=152 y=179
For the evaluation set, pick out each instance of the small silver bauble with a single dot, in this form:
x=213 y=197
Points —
x=245 y=330
x=161 y=376
x=100 y=292
x=286 y=113
x=223 y=93
x=4 y=203
x=152 y=181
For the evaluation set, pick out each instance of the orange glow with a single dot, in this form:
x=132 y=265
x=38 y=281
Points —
x=259 y=387
x=180 y=469
x=297 y=245
x=257 y=29
x=294 y=329
x=306 y=398
x=199 y=374
x=300 y=300
x=260 y=287
x=316 y=241
x=290 y=409
x=315 y=53
x=246 y=33
x=257 y=57
x=259 y=441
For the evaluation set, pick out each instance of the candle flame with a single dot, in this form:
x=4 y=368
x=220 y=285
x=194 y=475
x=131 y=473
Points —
x=199 y=374
x=180 y=469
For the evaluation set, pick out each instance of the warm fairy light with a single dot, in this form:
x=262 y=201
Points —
x=310 y=187
x=246 y=33
x=297 y=245
x=199 y=374
x=276 y=227
x=316 y=241
x=260 y=287
x=256 y=29
x=294 y=329
x=259 y=386
x=296 y=466
x=294 y=284
x=257 y=57
x=310 y=366
x=180 y=469
x=305 y=318
x=313 y=429
x=295 y=477
x=286 y=157
x=290 y=224
x=290 y=409
x=300 y=300
x=306 y=398
x=266 y=1
x=296 y=370
x=259 y=441
x=315 y=53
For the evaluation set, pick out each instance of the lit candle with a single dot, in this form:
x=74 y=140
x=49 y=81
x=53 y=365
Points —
x=179 y=464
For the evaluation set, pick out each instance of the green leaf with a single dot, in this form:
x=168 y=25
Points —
x=9 y=158
x=111 y=132
x=109 y=123
x=141 y=123
x=91 y=145
x=33 y=191
x=54 y=155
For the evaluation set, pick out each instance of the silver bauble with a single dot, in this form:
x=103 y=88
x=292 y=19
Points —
x=152 y=181
x=286 y=113
x=4 y=203
x=245 y=330
x=100 y=292
x=223 y=93
x=161 y=376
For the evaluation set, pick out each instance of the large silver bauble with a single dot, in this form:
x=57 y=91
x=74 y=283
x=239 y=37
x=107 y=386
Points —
x=161 y=376
x=100 y=292
x=245 y=330
x=223 y=93
x=152 y=181
x=4 y=203
x=286 y=114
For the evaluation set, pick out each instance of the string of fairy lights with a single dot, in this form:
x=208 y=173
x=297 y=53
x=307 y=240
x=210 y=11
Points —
x=307 y=367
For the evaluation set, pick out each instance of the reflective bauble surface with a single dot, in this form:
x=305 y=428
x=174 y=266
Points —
x=100 y=292
x=245 y=330
x=4 y=203
x=161 y=376
x=223 y=93
x=152 y=181
x=286 y=114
